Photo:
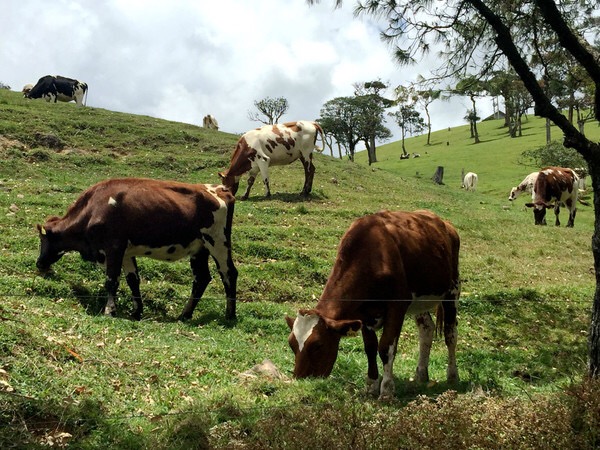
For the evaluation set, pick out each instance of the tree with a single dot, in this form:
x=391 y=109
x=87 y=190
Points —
x=341 y=118
x=472 y=88
x=373 y=108
x=426 y=97
x=407 y=117
x=483 y=33
x=271 y=108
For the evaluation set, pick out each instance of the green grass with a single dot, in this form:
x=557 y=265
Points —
x=110 y=382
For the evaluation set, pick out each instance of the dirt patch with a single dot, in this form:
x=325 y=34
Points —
x=6 y=143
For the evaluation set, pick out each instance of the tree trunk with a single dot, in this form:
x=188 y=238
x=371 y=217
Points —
x=594 y=332
x=428 y=126
x=548 y=134
x=372 y=150
x=438 y=176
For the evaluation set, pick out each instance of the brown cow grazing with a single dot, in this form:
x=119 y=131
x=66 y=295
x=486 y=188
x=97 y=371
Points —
x=117 y=220
x=558 y=185
x=273 y=145
x=389 y=264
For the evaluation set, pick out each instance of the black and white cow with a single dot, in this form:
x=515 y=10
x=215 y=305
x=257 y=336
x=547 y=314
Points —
x=58 y=88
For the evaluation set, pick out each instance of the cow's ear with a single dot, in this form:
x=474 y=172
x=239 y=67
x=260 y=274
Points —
x=290 y=321
x=41 y=230
x=530 y=205
x=344 y=327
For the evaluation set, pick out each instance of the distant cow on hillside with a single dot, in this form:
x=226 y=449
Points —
x=273 y=145
x=210 y=122
x=470 y=181
x=524 y=186
x=115 y=221
x=558 y=185
x=58 y=88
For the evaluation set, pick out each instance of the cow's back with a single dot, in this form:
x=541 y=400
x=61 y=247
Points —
x=395 y=255
x=120 y=209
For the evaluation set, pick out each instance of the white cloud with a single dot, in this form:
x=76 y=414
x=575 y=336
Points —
x=183 y=59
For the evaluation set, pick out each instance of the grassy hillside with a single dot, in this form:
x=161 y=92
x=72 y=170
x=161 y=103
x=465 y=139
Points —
x=69 y=376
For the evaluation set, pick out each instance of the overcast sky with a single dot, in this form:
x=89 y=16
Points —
x=183 y=59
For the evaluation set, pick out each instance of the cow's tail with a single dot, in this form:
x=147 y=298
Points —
x=322 y=133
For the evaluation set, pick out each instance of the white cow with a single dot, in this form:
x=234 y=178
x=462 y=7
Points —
x=526 y=185
x=470 y=181
x=210 y=122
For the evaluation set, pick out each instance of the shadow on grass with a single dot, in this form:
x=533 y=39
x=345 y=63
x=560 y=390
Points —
x=287 y=197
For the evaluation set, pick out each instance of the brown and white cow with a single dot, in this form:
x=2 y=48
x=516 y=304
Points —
x=389 y=265
x=117 y=220
x=273 y=145
x=524 y=186
x=558 y=185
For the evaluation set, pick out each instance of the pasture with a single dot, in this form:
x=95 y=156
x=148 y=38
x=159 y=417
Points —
x=72 y=377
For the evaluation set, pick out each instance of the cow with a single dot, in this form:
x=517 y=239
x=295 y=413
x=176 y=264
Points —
x=470 y=181
x=210 y=122
x=525 y=186
x=558 y=184
x=116 y=220
x=273 y=145
x=389 y=265
x=54 y=88
x=26 y=89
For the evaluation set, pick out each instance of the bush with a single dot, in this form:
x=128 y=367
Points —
x=554 y=154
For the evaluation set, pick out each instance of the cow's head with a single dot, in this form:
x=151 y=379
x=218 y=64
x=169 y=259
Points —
x=514 y=193
x=27 y=89
x=315 y=341
x=229 y=181
x=539 y=211
x=51 y=248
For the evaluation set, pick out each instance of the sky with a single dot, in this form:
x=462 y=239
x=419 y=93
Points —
x=182 y=59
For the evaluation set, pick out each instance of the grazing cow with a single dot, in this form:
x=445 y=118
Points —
x=53 y=88
x=558 y=184
x=525 y=186
x=117 y=220
x=26 y=89
x=210 y=122
x=389 y=264
x=273 y=145
x=470 y=181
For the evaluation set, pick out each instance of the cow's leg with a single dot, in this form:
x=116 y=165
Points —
x=133 y=281
x=556 y=213
x=309 y=174
x=251 y=177
x=201 y=273
x=229 y=274
x=114 y=261
x=387 y=350
x=370 y=345
x=263 y=166
x=572 y=213
x=451 y=337
x=426 y=328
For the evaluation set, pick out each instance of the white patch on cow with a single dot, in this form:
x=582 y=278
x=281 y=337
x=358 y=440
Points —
x=172 y=252
x=112 y=202
x=424 y=303
x=303 y=328
x=387 y=381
